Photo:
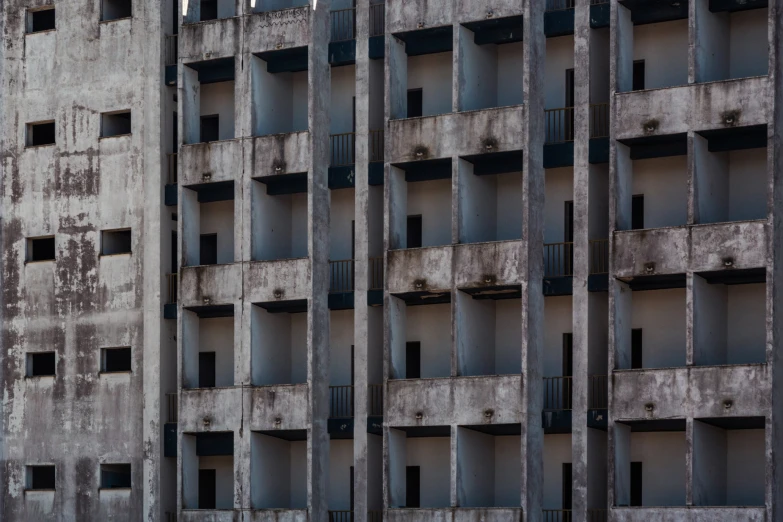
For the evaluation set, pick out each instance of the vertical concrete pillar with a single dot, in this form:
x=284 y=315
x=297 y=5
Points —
x=707 y=315
x=319 y=94
x=619 y=464
x=396 y=79
x=243 y=113
x=708 y=462
x=708 y=36
x=708 y=182
x=531 y=260
x=621 y=49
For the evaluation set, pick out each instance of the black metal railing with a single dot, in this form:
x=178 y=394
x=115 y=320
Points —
x=599 y=120
x=559 y=125
x=598 y=392
x=171 y=49
x=340 y=516
x=559 y=5
x=172 y=280
x=376 y=273
x=341 y=276
x=376 y=145
x=377 y=15
x=598 y=515
x=171 y=398
x=558 y=259
x=557 y=393
x=557 y=515
x=171 y=517
x=596 y=2
x=342 y=149
x=340 y=401
x=343 y=24
x=375 y=516
x=599 y=256
x=172 y=163
x=375 y=406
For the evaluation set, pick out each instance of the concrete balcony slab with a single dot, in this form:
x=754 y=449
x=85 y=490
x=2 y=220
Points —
x=210 y=284
x=275 y=30
x=487 y=264
x=210 y=162
x=210 y=39
x=281 y=280
x=279 y=407
x=222 y=407
x=420 y=269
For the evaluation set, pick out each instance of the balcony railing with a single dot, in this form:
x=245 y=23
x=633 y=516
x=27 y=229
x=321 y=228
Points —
x=340 y=516
x=559 y=5
x=558 y=259
x=557 y=515
x=375 y=406
x=341 y=276
x=374 y=516
x=377 y=22
x=171 y=517
x=596 y=2
x=599 y=256
x=171 y=49
x=376 y=145
x=598 y=515
x=171 y=399
x=376 y=273
x=559 y=125
x=599 y=120
x=340 y=401
x=172 y=161
x=598 y=392
x=557 y=393
x=343 y=24
x=172 y=280
x=342 y=149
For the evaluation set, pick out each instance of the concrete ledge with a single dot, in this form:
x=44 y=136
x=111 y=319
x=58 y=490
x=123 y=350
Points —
x=211 y=39
x=698 y=107
x=454 y=514
x=689 y=514
x=696 y=391
x=289 y=277
x=220 y=160
x=286 y=403
x=277 y=154
x=476 y=10
x=457 y=133
x=274 y=30
x=223 y=406
x=208 y=515
x=699 y=248
x=454 y=400
x=219 y=284
x=406 y=15
x=420 y=269
x=487 y=264
x=277 y=515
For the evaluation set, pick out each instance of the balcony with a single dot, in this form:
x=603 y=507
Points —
x=173 y=410
x=375 y=407
x=559 y=125
x=342 y=149
x=340 y=516
x=171 y=280
x=376 y=146
x=340 y=402
x=558 y=392
x=599 y=120
x=559 y=259
x=377 y=18
x=559 y=5
x=376 y=273
x=171 y=160
x=599 y=256
x=171 y=49
x=341 y=276
x=598 y=392
x=343 y=24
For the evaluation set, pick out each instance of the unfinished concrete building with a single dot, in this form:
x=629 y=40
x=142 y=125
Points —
x=412 y=260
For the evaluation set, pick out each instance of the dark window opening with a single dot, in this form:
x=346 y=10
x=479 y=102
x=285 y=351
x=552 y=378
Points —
x=412 y=486
x=40 y=134
x=209 y=10
x=636 y=348
x=638 y=75
x=115 y=476
x=207 y=489
x=41 y=364
x=115 y=124
x=415 y=103
x=637 y=212
x=116 y=9
x=636 y=483
x=41 y=20
x=413 y=360
x=567 y=485
x=175 y=20
x=116 y=360
x=115 y=242
x=208 y=249
x=41 y=249
x=568 y=370
x=210 y=128
x=40 y=477
x=174 y=253
x=206 y=369
x=414 y=231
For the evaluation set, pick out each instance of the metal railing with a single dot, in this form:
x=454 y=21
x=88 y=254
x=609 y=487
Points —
x=599 y=256
x=340 y=401
x=171 y=517
x=598 y=392
x=558 y=259
x=172 y=161
x=596 y=2
x=559 y=5
x=341 y=276
x=340 y=516
x=377 y=18
x=343 y=23
x=599 y=120
x=172 y=280
x=171 y=49
x=375 y=516
x=376 y=273
x=342 y=149
x=557 y=393
x=559 y=125
x=597 y=515
x=375 y=406
x=171 y=399
x=376 y=145
x=557 y=515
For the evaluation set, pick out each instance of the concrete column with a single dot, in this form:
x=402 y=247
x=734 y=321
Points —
x=242 y=95
x=619 y=464
x=709 y=465
x=621 y=49
x=707 y=309
x=319 y=94
x=531 y=260
x=708 y=35
x=708 y=182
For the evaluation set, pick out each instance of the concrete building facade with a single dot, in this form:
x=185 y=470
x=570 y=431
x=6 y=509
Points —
x=412 y=260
